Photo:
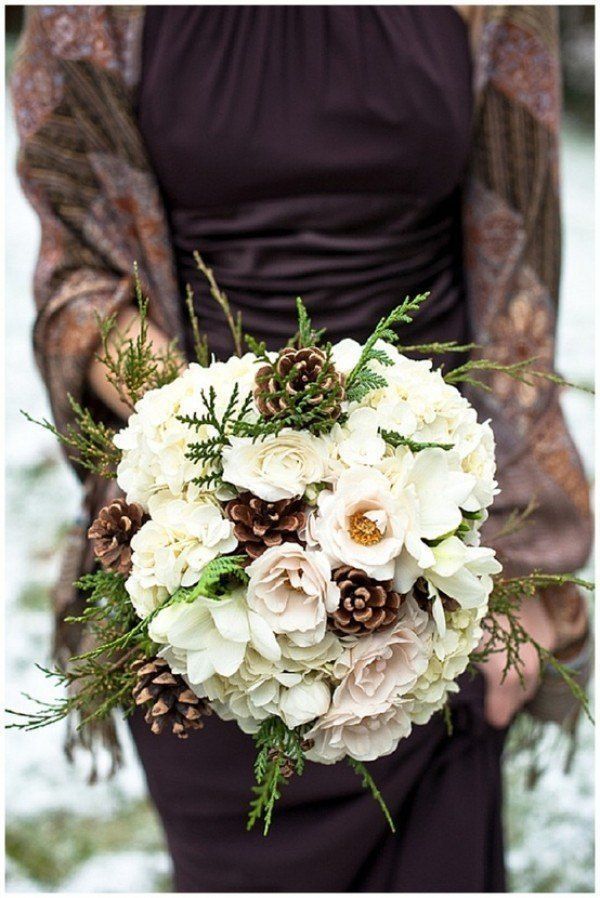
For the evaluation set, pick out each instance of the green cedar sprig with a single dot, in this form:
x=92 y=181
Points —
x=520 y=371
x=133 y=364
x=97 y=682
x=208 y=451
x=277 y=748
x=306 y=335
x=200 y=340
x=89 y=443
x=505 y=632
x=363 y=379
x=437 y=348
x=369 y=783
x=234 y=321
x=517 y=519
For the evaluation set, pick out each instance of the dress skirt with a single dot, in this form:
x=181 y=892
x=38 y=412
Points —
x=328 y=834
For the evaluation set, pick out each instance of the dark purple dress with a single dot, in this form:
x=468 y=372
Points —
x=319 y=152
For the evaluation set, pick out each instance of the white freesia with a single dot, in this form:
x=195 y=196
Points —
x=462 y=572
x=476 y=446
x=430 y=489
x=277 y=467
x=345 y=355
x=291 y=588
x=211 y=636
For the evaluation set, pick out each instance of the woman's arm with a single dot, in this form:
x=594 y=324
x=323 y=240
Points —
x=512 y=257
x=83 y=168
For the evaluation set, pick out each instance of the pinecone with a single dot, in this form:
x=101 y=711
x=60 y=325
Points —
x=423 y=600
x=111 y=534
x=260 y=525
x=365 y=605
x=287 y=765
x=169 y=699
x=310 y=362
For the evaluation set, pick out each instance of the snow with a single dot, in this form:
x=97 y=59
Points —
x=550 y=828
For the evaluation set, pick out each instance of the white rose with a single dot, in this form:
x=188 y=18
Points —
x=277 y=467
x=339 y=733
x=359 y=523
x=290 y=587
x=304 y=702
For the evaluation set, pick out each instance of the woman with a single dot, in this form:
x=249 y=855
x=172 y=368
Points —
x=351 y=155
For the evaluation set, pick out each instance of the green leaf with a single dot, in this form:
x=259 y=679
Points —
x=394 y=439
x=218 y=579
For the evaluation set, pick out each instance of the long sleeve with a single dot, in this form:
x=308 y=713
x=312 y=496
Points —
x=83 y=168
x=512 y=257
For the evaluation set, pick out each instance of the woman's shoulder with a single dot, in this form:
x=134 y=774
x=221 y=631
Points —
x=104 y=36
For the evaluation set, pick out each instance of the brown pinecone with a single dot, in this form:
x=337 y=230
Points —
x=260 y=525
x=169 y=699
x=309 y=362
x=111 y=534
x=287 y=765
x=365 y=605
x=423 y=600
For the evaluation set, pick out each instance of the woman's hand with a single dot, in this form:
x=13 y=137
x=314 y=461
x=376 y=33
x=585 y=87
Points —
x=503 y=698
x=127 y=321
x=558 y=621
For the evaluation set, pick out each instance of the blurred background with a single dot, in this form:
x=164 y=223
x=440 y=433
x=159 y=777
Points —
x=66 y=836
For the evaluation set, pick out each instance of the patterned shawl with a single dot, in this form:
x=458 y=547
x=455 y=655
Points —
x=85 y=170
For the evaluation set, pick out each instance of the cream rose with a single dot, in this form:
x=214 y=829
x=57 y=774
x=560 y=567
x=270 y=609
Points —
x=379 y=670
x=339 y=733
x=291 y=588
x=277 y=467
x=360 y=523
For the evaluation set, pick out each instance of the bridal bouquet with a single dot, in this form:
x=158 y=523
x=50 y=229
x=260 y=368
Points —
x=295 y=546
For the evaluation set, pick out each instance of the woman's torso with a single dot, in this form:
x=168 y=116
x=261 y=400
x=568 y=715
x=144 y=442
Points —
x=319 y=151
x=312 y=151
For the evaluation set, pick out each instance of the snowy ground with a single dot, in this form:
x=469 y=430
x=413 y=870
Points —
x=63 y=835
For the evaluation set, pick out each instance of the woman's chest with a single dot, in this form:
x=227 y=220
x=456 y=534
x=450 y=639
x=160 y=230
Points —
x=241 y=103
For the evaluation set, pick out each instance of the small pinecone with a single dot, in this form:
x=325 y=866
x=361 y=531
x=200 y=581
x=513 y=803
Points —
x=287 y=765
x=169 y=699
x=111 y=534
x=260 y=525
x=309 y=362
x=365 y=605
x=423 y=600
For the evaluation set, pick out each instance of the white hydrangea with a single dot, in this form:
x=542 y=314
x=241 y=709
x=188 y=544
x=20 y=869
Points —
x=171 y=549
x=155 y=442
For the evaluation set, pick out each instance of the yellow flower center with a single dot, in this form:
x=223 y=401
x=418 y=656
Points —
x=363 y=530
